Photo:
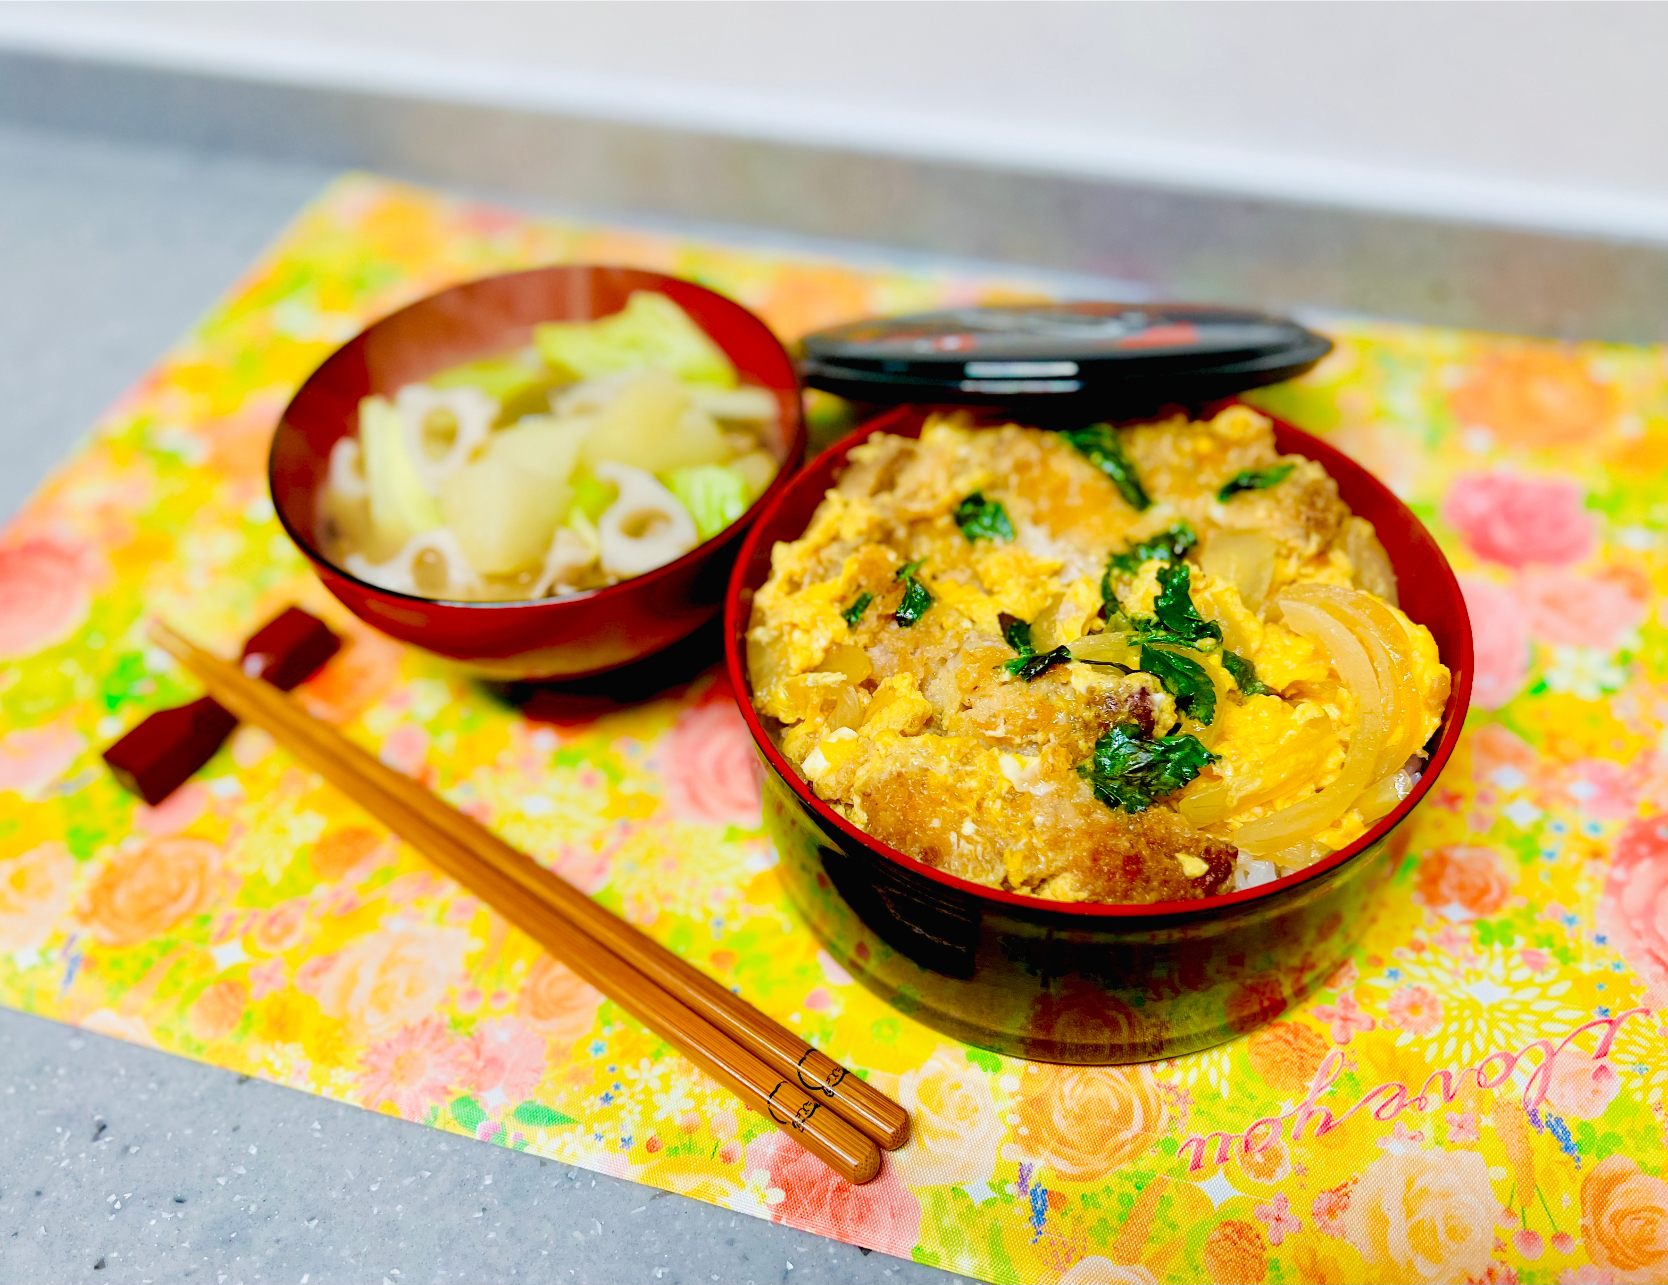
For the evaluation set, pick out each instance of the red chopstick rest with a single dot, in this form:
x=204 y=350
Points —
x=164 y=751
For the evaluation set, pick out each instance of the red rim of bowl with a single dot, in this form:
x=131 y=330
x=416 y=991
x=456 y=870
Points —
x=1335 y=462
x=787 y=467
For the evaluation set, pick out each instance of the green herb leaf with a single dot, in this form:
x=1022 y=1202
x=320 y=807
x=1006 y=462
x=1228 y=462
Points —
x=1031 y=666
x=1254 y=479
x=854 y=613
x=1131 y=771
x=1175 y=610
x=916 y=599
x=1028 y=664
x=1171 y=544
x=915 y=602
x=1244 y=674
x=1177 y=620
x=982 y=519
x=1103 y=448
x=1184 y=679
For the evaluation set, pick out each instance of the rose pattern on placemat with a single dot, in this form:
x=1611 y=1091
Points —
x=1477 y=1095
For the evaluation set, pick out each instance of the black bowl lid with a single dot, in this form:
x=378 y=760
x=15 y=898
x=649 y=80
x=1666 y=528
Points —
x=1081 y=357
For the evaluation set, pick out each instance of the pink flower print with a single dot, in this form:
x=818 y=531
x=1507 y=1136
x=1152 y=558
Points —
x=1402 y=1139
x=179 y=811
x=1582 y=1087
x=32 y=758
x=1281 y=1221
x=1330 y=1206
x=406 y=750
x=413 y=1069
x=1414 y=1009
x=283 y=927
x=268 y=978
x=505 y=1061
x=1535 y=959
x=884 y=1214
x=1580 y=611
x=45 y=595
x=1345 y=1017
x=1520 y=521
x=1604 y=789
x=1462 y=1126
x=1529 y=1243
x=1633 y=909
x=1587 y=1274
x=1500 y=642
x=711 y=771
x=585 y=867
x=311 y=977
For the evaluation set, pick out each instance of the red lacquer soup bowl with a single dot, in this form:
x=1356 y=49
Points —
x=1085 y=982
x=566 y=637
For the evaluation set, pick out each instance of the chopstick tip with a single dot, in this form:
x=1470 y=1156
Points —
x=164 y=636
x=169 y=639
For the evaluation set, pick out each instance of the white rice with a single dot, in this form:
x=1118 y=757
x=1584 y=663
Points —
x=1250 y=872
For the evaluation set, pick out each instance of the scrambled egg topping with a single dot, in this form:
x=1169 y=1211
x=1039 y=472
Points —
x=972 y=652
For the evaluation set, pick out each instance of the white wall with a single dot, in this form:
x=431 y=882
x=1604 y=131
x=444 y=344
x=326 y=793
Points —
x=1538 y=114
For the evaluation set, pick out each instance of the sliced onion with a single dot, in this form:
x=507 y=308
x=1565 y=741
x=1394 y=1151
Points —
x=1235 y=636
x=1380 y=798
x=1303 y=853
x=1391 y=650
x=1206 y=803
x=1210 y=799
x=1245 y=559
x=848 y=709
x=843 y=658
x=1302 y=821
x=1105 y=649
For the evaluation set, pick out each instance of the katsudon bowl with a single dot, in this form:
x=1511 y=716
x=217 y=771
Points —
x=1085 y=982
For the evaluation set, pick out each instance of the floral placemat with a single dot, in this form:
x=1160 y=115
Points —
x=1477 y=1095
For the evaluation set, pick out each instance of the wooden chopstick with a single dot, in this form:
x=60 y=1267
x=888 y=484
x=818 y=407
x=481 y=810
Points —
x=814 y=1071
x=533 y=899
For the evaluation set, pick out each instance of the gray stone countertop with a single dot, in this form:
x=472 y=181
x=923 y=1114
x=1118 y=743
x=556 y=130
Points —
x=119 y=1163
